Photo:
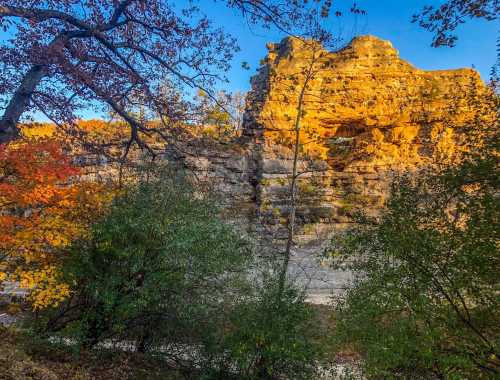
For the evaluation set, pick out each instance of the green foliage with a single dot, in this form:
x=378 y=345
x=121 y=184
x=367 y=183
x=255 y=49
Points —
x=273 y=336
x=218 y=117
x=307 y=188
x=163 y=275
x=426 y=301
x=157 y=269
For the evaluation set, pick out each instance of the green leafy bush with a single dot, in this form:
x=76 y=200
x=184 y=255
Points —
x=156 y=270
x=426 y=301
x=273 y=334
x=163 y=275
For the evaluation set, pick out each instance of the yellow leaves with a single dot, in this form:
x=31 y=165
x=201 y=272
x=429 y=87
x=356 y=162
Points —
x=45 y=204
x=45 y=287
x=38 y=130
x=42 y=193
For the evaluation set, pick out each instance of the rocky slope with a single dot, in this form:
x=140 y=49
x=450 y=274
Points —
x=366 y=115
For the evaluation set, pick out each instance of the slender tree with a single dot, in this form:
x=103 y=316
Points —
x=308 y=72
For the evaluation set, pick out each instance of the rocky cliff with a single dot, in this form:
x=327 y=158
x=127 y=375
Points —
x=366 y=114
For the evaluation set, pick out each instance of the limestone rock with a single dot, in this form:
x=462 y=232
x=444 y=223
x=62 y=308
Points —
x=367 y=114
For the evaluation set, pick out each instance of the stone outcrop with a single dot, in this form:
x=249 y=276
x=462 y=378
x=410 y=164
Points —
x=366 y=114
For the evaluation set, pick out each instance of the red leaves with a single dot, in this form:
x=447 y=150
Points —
x=44 y=205
x=28 y=168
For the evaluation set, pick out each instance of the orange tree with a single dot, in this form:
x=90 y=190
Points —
x=45 y=203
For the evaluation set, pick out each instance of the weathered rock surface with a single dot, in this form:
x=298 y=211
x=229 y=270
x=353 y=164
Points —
x=367 y=114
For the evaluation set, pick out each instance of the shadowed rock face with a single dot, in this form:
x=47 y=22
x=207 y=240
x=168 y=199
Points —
x=368 y=114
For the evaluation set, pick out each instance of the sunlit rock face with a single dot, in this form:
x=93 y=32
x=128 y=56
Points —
x=367 y=115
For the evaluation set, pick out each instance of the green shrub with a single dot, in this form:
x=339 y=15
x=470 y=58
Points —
x=156 y=270
x=163 y=275
x=426 y=301
x=273 y=335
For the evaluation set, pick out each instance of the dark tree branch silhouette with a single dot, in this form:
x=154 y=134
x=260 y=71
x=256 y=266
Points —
x=99 y=53
x=443 y=20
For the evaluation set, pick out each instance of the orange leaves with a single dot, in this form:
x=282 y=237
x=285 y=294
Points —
x=44 y=205
x=30 y=171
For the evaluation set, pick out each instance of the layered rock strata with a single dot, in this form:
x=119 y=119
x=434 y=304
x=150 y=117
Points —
x=366 y=114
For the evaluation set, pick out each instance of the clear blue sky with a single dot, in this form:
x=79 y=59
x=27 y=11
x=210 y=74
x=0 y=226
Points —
x=387 y=19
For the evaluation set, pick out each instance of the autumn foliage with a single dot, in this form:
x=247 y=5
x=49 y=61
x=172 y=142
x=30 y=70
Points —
x=45 y=203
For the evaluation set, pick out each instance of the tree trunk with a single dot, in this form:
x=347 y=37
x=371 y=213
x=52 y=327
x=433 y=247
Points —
x=293 y=183
x=293 y=195
x=19 y=102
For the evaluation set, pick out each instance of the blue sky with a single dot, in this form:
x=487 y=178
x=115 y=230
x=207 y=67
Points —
x=387 y=19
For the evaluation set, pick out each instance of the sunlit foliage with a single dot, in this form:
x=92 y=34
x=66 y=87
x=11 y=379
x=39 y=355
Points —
x=44 y=205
